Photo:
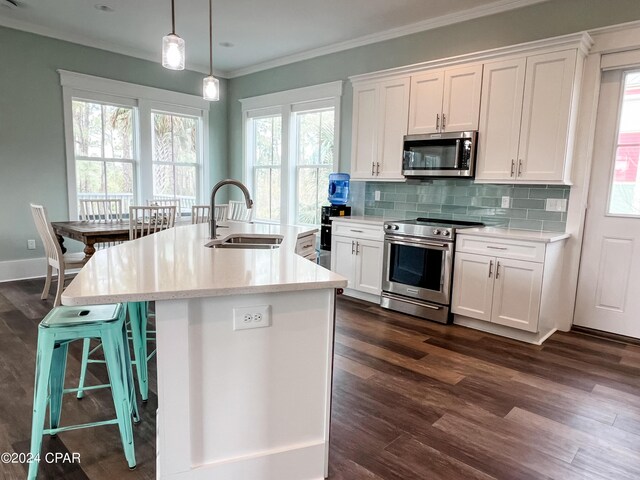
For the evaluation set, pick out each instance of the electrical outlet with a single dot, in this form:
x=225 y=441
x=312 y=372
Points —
x=31 y=244
x=377 y=195
x=251 y=317
x=505 y=202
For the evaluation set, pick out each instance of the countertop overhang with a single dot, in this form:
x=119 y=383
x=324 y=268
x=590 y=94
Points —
x=176 y=264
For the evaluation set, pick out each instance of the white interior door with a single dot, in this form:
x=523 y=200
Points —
x=608 y=296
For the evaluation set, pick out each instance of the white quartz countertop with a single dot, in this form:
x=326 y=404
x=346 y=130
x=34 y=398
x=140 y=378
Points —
x=515 y=234
x=361 y=219
x=175 y=264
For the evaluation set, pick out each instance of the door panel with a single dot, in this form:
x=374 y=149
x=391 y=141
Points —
x=461 y=101
x=364 y=149
x=545 y=116
x=368 y=276
x=517 y=293
x=426 y=102
x=609 y=279
x=500 y=114
x=394 y=112
x=473 y=285
x=342 y=258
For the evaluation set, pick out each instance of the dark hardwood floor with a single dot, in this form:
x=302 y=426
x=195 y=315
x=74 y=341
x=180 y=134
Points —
x=412 y=400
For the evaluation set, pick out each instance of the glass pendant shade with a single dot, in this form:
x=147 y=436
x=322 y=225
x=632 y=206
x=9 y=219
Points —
x=211 y=88
x=173 y=52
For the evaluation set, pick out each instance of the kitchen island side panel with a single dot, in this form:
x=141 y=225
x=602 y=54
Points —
x=249 y=403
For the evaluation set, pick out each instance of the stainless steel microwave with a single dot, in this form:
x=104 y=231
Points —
x=440 y=155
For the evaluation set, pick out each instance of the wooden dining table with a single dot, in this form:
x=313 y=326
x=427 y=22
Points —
x=91 y=233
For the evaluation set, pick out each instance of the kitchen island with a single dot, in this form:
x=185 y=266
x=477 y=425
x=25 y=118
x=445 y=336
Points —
x=245 y=344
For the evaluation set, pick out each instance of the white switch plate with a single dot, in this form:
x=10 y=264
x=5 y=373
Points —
x=556 y=205
x=256 y=316
x=377 y=195
x=31 y=244
x=505 y=202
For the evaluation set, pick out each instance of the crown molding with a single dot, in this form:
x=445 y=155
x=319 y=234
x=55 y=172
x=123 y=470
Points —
x=498 y=6
x=99 y=44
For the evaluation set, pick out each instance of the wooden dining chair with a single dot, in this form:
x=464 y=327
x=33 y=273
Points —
x=102 y=210
x=239 y=212
x=172 y=202
x=55 y=258
x=145 y=220
x=200 y=213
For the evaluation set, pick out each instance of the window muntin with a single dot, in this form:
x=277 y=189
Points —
x=624 y=197
x=104 y=151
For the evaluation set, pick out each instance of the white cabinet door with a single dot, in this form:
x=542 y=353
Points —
x=517 y=293
x=343 y=258
x=393 y=112
x=461 y=100
x=473 y=285
x=368 y=274
x=546 y=111
x=364 y=135
x=500 y=113
x=425 y=104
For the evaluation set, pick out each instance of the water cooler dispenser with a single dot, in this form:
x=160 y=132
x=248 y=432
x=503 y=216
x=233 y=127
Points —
x=338 y=197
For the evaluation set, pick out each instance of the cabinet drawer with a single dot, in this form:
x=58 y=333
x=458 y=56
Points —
x=357 y=230
x=312 y=257
x=516 y=249
x=306 y=245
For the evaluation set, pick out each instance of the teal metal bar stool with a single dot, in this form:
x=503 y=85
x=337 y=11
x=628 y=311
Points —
x=60 y=327
x=140 y=336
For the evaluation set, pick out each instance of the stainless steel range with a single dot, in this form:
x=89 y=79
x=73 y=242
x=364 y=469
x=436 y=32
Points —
x=418 y=266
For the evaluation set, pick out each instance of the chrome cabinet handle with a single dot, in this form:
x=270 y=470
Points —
x=357 y=231
x=498 y=270
x=373 y=168
x=490 y=268
x=357 y=248
x=496 y=248
x=513 y=166
x=378 y=168
x=308 y=246
x=353 y=247
x=444 y=119
x=519 y=167
x=437 y=121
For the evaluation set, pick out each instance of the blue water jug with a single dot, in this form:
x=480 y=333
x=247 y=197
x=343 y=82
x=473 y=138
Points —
x=338 y=188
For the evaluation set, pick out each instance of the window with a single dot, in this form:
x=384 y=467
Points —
x=175 y=158
x=133 y=143
x=624 y=198
x=290 y=151
x=104 y=151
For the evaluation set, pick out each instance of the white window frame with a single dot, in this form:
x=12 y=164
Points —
x=144 y=100
x=287 y=103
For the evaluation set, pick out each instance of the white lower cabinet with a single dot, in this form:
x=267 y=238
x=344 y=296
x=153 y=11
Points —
x=356 y=253
x=502 y=288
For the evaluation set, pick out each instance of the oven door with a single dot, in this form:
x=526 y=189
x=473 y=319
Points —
x=418 y=268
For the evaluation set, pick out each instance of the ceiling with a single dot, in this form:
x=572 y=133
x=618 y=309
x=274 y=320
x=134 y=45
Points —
x=249 y=35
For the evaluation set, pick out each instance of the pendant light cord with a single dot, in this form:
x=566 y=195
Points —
x=210 y=39
x=173 y=17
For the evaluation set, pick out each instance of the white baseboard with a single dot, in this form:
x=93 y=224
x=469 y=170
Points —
x=22 y=269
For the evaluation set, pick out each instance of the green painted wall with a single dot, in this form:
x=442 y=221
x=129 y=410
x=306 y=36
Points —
x=32 y=153
x=549 y=19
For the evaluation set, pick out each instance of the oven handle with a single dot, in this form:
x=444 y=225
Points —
x=396 y=241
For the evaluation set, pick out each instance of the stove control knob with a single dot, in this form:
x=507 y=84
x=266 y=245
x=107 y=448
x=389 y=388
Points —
x=436 y=231
x=392 y=227
x=446 y=233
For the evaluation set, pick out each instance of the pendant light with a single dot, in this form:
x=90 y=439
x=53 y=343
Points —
x=173 y=46
x=210 y=84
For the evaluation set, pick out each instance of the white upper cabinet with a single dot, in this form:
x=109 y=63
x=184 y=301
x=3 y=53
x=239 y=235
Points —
x=445 y=100
x=380 y=112
x=526 y=125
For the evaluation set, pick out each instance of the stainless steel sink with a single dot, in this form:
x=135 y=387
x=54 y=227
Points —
x=249 y=242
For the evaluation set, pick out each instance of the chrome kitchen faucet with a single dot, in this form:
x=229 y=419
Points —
x=229 y=181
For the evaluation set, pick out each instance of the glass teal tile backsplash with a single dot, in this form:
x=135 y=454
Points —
x=465 y=200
